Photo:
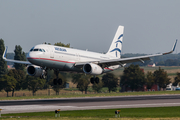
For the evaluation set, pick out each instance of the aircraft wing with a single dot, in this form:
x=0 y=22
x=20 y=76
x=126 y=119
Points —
x=123 y=61
x=15 y=61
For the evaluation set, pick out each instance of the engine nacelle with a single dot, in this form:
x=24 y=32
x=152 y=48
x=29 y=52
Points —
x=92 y=69
x=36 y=71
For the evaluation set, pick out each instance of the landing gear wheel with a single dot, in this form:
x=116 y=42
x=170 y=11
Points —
x=92 y=80
x=55 y=81
x=96 y=80
x=59 y=81
x=43 y=76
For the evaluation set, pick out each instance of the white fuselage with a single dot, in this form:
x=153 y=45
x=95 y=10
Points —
x=63 y=58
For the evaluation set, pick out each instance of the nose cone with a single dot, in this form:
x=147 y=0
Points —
x=31 y=56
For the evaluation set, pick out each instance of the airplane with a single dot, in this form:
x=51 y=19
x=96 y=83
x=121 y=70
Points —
x=42 y=57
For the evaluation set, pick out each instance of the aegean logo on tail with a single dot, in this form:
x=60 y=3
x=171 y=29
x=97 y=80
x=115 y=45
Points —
x=118 y=41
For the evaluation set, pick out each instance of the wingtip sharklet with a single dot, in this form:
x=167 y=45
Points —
x=5 y=52
x=173 y=49
x=174 y=45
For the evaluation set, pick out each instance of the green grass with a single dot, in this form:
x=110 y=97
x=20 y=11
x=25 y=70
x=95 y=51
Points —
x=172 y=74
x=93 y=95
x=155 y=112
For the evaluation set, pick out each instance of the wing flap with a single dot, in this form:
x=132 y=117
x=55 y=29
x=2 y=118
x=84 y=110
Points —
x=127 y=60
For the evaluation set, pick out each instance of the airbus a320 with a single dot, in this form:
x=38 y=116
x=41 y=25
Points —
x=43 y=56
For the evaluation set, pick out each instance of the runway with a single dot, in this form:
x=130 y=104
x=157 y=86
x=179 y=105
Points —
x=40 y=105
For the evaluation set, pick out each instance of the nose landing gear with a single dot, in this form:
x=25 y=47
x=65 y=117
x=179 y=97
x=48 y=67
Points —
x=57 y=81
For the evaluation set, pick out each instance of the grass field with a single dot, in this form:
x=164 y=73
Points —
x=159 y=113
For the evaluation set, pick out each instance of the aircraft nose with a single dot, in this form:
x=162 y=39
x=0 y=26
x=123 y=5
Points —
x=30 y=55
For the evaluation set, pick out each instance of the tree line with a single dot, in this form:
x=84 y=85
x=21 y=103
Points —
x=133 y=77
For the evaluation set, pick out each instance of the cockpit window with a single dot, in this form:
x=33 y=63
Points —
x=37 y=49
x=43 y=50
x=32 y=49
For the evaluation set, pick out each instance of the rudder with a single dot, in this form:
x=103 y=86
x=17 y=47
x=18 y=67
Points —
x=116 y=45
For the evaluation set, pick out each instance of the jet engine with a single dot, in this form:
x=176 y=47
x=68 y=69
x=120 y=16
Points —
x=36 y=71
x=92 y=69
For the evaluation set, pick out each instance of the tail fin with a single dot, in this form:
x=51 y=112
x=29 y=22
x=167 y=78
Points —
x=116 y=45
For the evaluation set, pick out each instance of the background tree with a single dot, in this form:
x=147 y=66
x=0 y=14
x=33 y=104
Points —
x=97 y=87
x=3 y=64
x=176 y=79
x=9 y=83
x=149 y=80
x=83 y=84
x=133 y=77
x=2 y=83
x=109 y=80
x=19 y=55
x=20 y=76
x=58 y=87
x=62 y=44
x=82 y=81
x=35 y=83
x=161 y=78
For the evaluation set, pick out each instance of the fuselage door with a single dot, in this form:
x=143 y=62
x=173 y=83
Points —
x=77 y=57
x=51 y=50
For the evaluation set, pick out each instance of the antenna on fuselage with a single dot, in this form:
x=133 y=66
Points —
x=47 y=43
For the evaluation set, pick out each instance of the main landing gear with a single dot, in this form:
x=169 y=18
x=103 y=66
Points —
x=57 y=81
x=94 y=80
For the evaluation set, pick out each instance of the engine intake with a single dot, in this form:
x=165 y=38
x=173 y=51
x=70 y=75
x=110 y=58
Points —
x=92 y=69
x=36 y=71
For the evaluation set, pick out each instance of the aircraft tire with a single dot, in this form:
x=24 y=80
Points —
x=55 y=81
x=59 y=81
x=42 y=76
x=92 y=80
x=96 y=80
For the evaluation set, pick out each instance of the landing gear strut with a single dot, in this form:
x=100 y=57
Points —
x=43 y=76
x=44 y=73
x=94 y=80
x=57 y=81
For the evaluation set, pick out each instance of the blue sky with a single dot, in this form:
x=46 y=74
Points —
x=151 y=26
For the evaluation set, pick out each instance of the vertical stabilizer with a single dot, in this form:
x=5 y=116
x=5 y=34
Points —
x=116 y=45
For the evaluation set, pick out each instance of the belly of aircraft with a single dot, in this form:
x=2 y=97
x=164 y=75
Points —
x=55 y=64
